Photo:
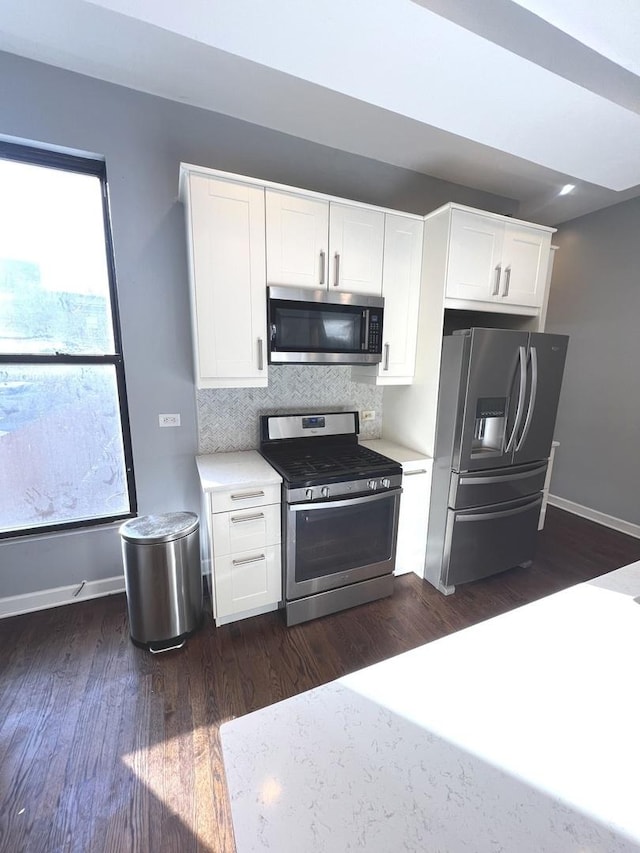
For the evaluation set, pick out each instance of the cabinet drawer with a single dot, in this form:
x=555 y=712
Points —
x=240 y=497
x=246 y=529
x=247 y=580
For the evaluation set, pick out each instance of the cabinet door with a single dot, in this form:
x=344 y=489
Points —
x=401 y=290
x=297 y=240
x=228 y=280
x=412 y=524
x=475 y=245
x=247 y=580
x=525 y=257
x=356 y=242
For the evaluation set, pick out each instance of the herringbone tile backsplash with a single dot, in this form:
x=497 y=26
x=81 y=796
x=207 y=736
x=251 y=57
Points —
x=228 y=418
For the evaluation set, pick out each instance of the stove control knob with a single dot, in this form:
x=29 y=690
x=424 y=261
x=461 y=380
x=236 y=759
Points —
x=309 y=494
x=373 y=485
x=386 y=482
x=324 y=491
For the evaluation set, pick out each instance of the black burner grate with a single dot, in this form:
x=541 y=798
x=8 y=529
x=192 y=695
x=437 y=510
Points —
x=326 y=465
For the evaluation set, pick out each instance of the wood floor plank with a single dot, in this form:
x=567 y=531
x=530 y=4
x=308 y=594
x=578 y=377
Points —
x=105 y=748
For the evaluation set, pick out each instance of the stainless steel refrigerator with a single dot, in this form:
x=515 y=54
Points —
x=498 y=397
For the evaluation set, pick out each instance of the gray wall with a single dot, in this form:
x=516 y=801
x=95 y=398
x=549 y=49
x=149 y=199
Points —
x=595 y=298
x=143 y=139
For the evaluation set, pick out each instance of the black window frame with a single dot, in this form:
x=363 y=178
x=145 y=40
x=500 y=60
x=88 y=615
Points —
x=36 y=156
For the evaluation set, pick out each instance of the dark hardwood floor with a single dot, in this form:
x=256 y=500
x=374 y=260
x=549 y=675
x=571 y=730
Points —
x=104 y=747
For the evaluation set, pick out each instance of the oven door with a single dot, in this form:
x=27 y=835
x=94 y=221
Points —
x=332 y=544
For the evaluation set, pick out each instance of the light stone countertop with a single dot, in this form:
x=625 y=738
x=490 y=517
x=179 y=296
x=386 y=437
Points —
x=397 y=452
x=517 y=735
x=246 y=468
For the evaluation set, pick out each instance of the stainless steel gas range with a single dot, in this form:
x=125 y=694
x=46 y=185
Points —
x=340 y=512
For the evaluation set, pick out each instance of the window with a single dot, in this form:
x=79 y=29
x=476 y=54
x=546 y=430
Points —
x=65 y=450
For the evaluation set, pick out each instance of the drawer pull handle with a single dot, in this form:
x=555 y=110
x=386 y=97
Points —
x=259 y=559
x=246 y=495
x=417 y=471
x=241 y=518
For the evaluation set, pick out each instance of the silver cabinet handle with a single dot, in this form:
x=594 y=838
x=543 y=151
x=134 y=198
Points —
x=323 y=265
x=507 y=280
x=385 y=366
x=411 y=473
x=522 y=358
x=246 y=495
x=257 y=559
x=260 y=354
x=240 y=519
x=496 y=283
x=336 y=271
x=532 y=397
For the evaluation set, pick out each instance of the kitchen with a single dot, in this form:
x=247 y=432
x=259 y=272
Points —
x=144 y=140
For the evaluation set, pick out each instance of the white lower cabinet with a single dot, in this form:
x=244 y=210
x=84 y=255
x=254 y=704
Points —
x=242 y=538
x=414 y=504
x=246 y=580
x=414 y=514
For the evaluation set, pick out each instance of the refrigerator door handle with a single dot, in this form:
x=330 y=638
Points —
x=532 y=398
x=491 y=516
x=522 y=358
x=503 y=478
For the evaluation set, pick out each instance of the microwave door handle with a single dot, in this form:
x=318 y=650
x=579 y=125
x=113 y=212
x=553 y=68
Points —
x=365 y=320
x=522 y=361
x=532 y=398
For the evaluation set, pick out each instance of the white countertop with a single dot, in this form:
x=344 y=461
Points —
x=246 y=468
x=397 y=452
x=520 y=734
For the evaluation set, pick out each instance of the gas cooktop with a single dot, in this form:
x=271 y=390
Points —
x=311 y=450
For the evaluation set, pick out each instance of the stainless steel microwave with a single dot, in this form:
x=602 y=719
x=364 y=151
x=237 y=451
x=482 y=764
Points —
x=323 y=326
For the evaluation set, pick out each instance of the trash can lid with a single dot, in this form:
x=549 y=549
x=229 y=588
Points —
x=153 y=529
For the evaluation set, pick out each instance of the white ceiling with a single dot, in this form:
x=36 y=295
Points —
x=515 y=98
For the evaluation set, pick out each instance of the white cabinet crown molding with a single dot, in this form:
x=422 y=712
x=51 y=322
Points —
x=190 y=169
x=453 y=205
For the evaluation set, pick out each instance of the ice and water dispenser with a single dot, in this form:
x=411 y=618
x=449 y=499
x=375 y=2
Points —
x=490 y=426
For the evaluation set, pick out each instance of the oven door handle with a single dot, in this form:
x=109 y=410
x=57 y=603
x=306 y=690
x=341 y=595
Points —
x=348 y=502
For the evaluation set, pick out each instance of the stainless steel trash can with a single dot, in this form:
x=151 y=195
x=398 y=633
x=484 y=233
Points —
x=163 y=579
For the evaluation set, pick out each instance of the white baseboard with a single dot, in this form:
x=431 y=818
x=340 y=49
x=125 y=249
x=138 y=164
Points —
x=599 y=517
x=14 y=605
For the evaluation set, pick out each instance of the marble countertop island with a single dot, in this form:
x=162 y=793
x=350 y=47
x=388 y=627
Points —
x=517 y=735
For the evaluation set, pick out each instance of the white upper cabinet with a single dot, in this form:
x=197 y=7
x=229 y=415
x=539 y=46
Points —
x=297 y=240
x=226 y=245
x=495 y=260
x=320 y=244
x=356 y=245
x=401 y=290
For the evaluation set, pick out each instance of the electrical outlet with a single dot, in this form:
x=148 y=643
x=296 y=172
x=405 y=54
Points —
x=169 y=420
x=368 y=415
